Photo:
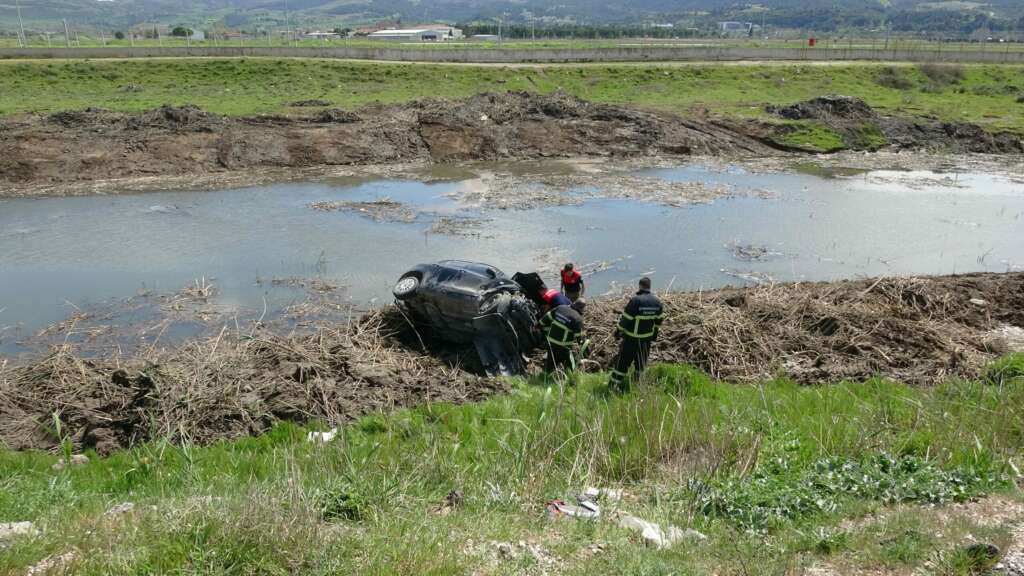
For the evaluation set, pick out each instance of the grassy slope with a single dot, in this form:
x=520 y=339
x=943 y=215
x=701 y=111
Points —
x=987 y=94
x=767 y=472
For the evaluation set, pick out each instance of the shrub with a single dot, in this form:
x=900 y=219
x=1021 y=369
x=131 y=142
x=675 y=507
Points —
x=890 y=77
x=1009 y=368
x=943 y=74
x=341 y=505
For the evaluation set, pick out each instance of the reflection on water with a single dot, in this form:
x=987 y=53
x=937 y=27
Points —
x=58 y=253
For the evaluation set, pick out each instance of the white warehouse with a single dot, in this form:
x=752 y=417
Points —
x=432 y=34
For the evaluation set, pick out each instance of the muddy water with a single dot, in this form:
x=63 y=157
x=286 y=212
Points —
x=58 y=255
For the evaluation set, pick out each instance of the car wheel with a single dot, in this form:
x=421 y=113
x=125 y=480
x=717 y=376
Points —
x=406 y=287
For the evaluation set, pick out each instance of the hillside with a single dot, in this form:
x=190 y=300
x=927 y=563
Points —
x=948 y=17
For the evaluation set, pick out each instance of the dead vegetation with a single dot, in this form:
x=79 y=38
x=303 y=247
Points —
x=916 y=330
x=383 y=210
x=227 y=386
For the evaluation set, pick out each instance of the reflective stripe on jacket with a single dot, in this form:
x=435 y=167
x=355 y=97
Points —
x=642 y=316
x=562 y=326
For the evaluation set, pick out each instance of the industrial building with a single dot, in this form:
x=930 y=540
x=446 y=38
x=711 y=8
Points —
x=428 y=34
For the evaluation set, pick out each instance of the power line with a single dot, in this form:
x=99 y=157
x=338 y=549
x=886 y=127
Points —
x=22 y=41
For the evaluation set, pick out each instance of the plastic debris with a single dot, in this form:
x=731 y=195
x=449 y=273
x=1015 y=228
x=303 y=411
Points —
x=54 y=563
x=76 y=460
x=586 y=509
x=653 y=535
x=122 y=508
x=322 y=436
x=15 y=529
x=609 y=494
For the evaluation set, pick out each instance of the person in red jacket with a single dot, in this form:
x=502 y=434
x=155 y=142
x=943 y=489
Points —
x=572 y=282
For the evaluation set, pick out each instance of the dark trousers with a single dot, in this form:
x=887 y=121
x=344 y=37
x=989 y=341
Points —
x=558 y=358
x=632 y=352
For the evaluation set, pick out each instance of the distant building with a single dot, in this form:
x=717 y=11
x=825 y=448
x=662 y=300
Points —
x=319 y=34
x=452 y=33
x=418 y=34
x=484 y=37
x=667 y=25
x=735 y=27
x=377 y=27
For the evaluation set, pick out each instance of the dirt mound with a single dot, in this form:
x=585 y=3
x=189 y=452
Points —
x=96 y=144
x=334 y=115
x=51 y=153
x=863 y=128
x=831 y=109
x=311 y=103
x=917 y=330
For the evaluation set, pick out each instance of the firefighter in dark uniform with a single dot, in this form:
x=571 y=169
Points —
x=563 y=329
x=638 y=329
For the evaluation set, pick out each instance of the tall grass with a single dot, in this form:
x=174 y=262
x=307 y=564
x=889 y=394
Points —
x=719 y=457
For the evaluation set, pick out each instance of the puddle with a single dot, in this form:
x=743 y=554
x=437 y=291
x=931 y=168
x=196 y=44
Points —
x=59 y=255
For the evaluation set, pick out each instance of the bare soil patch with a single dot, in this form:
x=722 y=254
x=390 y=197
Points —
x=76 y=152
x=91 y=145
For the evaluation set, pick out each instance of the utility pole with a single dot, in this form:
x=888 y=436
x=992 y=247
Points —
x=22 y=40
x=287 y=33
x=103 y=39
x=67 y=35
x=499 y=31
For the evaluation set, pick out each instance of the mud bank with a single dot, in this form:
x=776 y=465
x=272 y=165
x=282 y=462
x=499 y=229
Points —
x=39 y=154
x=917 y=330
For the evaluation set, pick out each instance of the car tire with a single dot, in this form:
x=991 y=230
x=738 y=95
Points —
x=406 y=287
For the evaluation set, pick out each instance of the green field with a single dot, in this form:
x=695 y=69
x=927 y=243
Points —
x=93 y=40
x=990 y=95
x=779 y=478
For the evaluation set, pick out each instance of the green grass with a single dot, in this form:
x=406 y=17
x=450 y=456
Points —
x=985 y=94
x=812 y=137
x=778 y=476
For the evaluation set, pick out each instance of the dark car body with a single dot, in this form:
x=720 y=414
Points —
x=469 y=302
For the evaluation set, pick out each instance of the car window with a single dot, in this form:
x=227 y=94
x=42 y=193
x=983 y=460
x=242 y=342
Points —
x=448 y=275
x=474 y=267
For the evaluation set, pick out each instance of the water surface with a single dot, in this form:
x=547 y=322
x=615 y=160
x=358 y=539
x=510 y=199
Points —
x=61 y=254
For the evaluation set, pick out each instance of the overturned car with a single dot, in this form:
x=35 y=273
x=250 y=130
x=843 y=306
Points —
x=468 y=302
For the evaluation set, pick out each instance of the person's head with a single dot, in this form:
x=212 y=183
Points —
x=645 y=283
x=579 y=305
x=568 y=267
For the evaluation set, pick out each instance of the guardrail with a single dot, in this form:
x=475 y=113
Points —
x=544 y=55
